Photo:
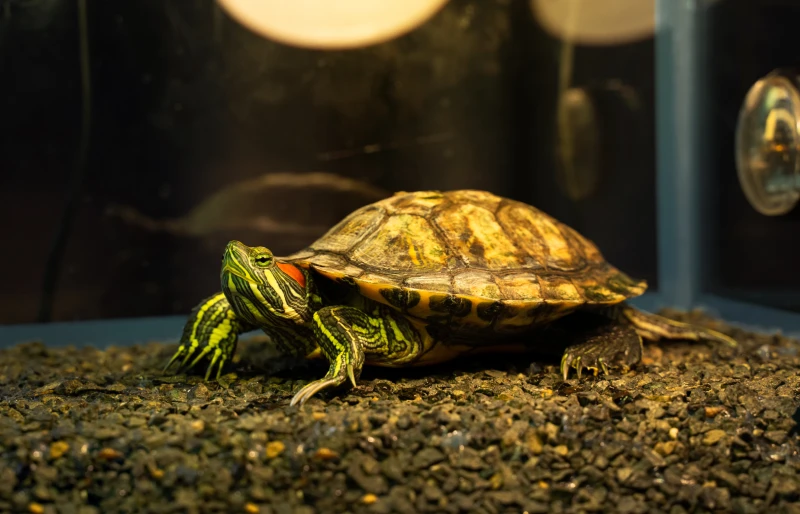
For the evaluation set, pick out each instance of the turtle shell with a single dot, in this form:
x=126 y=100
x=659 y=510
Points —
x=467 y=258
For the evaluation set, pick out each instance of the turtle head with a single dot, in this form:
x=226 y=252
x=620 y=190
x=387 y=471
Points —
x=262 y=288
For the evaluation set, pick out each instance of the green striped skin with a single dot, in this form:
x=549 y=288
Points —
x=259 y=291
x=214 y=326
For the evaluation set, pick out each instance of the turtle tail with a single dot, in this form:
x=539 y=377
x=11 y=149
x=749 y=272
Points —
x=655 y=327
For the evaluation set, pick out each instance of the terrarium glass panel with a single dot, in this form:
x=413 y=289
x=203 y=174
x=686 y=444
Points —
x=750 y=255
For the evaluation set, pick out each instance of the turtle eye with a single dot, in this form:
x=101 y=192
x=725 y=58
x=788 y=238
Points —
x=263 y=261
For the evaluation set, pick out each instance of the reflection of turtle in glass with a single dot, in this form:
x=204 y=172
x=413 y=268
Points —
x=423 y=277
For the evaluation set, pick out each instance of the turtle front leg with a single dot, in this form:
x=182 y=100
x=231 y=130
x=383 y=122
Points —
x=347 y=334
x=212 y=330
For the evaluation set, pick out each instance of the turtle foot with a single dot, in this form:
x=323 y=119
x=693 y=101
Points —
x=604 y=347
x=210 y=332
x=342 y=369
x=219 y=357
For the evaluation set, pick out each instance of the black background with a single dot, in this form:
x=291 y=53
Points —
x=185 y=102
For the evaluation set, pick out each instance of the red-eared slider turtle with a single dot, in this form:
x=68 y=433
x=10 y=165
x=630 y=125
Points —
x=423 y=277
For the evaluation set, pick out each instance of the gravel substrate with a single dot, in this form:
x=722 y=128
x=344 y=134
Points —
x=694 y=428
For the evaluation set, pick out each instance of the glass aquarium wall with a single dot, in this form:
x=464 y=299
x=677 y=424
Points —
x=139 y=137
x=753 y=240
x=729 y=174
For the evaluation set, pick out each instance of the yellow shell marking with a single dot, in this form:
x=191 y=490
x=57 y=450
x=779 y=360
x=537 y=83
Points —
x=476 y=283
x=478 y=238
x=519 y=223
x=404 y=243
x=520 y=286
x=560 y=290
x=419 y=204
x=561 y=256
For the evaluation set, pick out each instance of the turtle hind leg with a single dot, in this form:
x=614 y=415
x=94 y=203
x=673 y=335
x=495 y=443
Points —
x=607 y=345
x=654 y=327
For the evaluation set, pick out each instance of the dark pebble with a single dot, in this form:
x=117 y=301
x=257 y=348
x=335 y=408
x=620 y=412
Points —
x=426 y=458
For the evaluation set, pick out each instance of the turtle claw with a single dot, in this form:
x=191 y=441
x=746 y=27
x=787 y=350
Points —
x=174 y=358
x=339 y=373
x=605 y=347
x=217 y=334
x=570 y=361
x=313 y=388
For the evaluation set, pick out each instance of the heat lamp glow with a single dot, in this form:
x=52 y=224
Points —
x=324 y=24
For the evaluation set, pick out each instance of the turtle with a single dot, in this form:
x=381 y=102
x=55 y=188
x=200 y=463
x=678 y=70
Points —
x=422 y=277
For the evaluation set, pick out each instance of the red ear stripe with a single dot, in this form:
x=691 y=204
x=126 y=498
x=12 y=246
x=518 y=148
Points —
x=292 y=271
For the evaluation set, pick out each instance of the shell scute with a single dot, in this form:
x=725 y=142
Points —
x=476 y=283
x=520 y=286
x=405 y=243
x=345 y=234
x=476 y=236
x=431 y=282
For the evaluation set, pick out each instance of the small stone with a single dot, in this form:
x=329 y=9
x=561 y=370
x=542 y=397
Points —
x=35 y=508
x=673 y=433
x=156 y=473
x=109 y=454
x=513 y=435
x=533 y=442
x=775 y=436
x=600 y=462
x=713 y=411
x=274 y=448
x=403 y=422
x=426 y=458
x=507 y=497
x=199 y=392
x=108 y=432
x=431 y=492
x=325 y=454
x=58 y=448
x=197 y=426
x=770 y=415
x=465 y=503
x=552 y=432
x=251 y=508
x=393 y=467
x=399 y=497
x=365 y=472
x=655 y=458
x=318 y=416
x=665 y=448
x=469 y=459
x=662 y=425
x=726 y=478
x=713 y=436
x=369 y=499
x=624 y=474
x=561 y=450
